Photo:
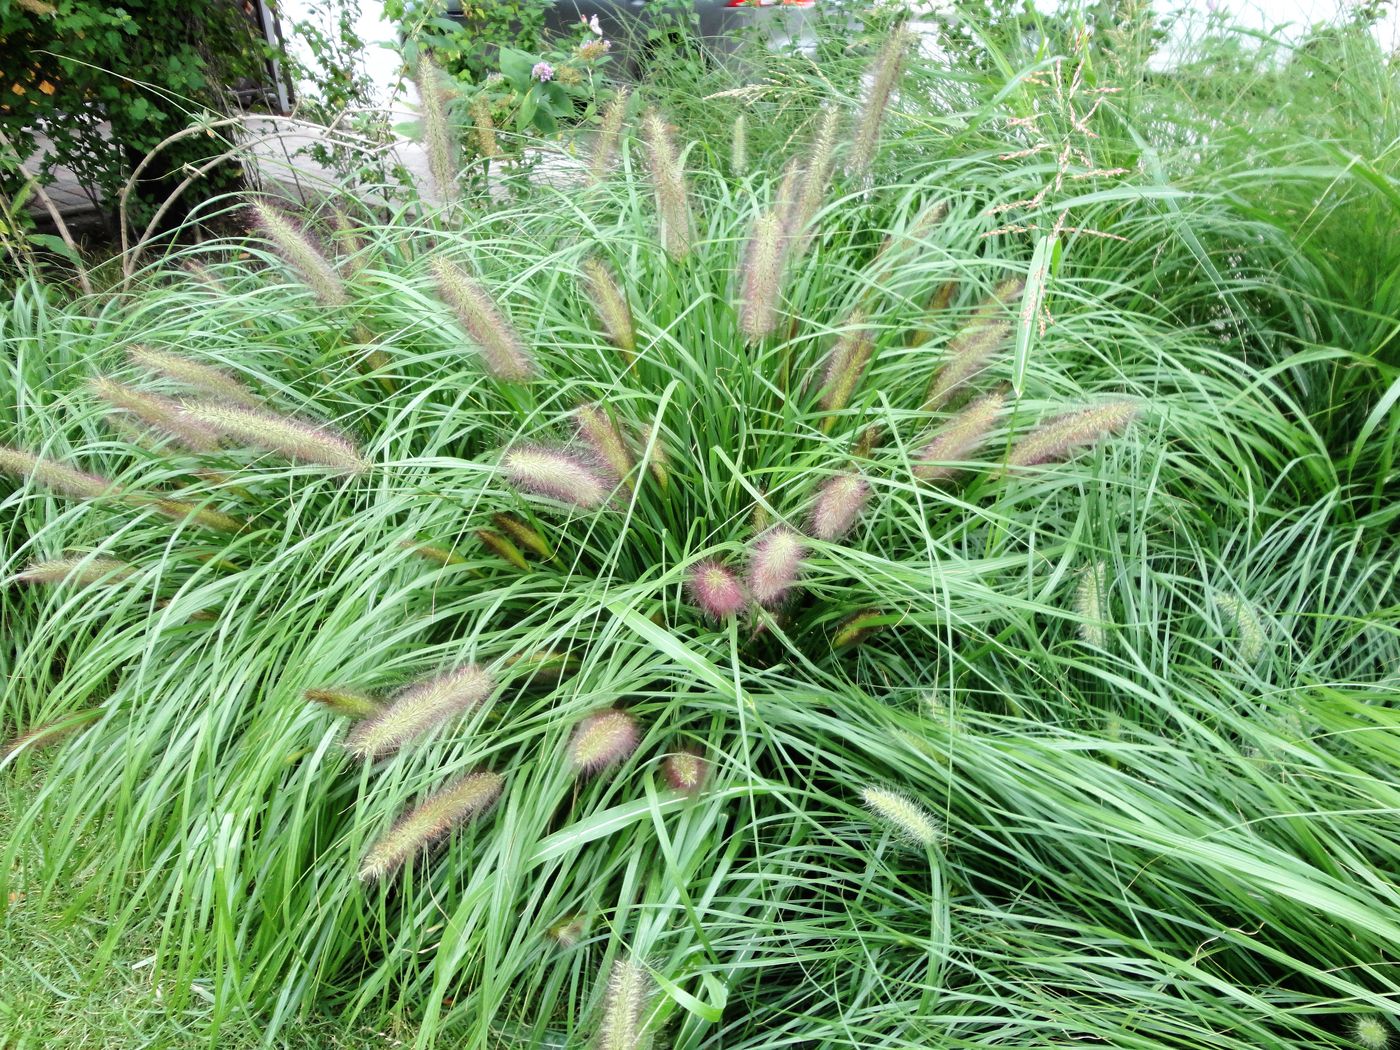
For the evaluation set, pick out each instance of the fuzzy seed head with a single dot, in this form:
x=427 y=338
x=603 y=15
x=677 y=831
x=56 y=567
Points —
x=659 y=462
x=83 y=572
x=687 y=771
x=1055 y=439
x=484 y=128
x=443 y=162
x=1091 y=604
x=883 y=81
x=715 y=590
x=610 y=305
x=902 y=815
x=180 y=510
x=522 y=534
x=502 y=350
x=857 y=627
x=847 y=362
x=669 y=186
x=301 y=253
x=54 y=475
x=205 y=378
x=502 y=548
x=441 y=555
x=624 y=1012
x=972 y=348
x=603 y=739
x=1245 y=619
x=421 y=707
x=958 y=439
x=609 y=133
x=160 y=412
x=812 y=189
x=839 y=503
x=348 y=702
x=597 y=430
x=739 y=145
x=763 y=271
x=46 y=735
x=568 y=930
x=558 y=474
x=295 y=439
x=774 y=566
x=1370 y=1032
x=430 y=822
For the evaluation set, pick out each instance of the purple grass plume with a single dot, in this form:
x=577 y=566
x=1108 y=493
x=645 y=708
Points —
x=1057 y=438
x=82 y=572
x=799 y=219
x=597 y=430
x=884 y=78
x=774 y=565
x=502 y=349
x=430 y=822
x=687 y=771
x=715 y=590
x=420 y=707
x=669 y=186
x=54 y=475
x=847 y=362
x=297 y=440
x=838 y=506
x=973 y=347
x=162 y=413
x=760 y=277
x=205 y=378
x=625 y=1008
x=557 y=473
x=610 y=304
x=958 y=439
x=351 y=703
x=603 y=739
x=296 y=246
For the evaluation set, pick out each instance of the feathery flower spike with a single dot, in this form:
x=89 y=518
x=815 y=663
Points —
x=441 y=555
x=973 y=346
x=838 y=505
x=762 y=272
x=522 y=534
x=1246 y=623
x=420 y=707
x=846 y=364
x=301 y=253
x=883 y=80
x=443 y=162
x=156 y=411
x=610 y=304
x=1090 y=604
x=348 y=702
x=739 y=145
x=206 y=378
x=597 y=430
x=1370 y=1032
x=687 y=771
x=669 y=186
x=430 y=822
x=556 y=473
x=295 y=439
x=911 y=821
x=609 y=132
x=603 y=739
x=84 y=572
x=774 y=565
x=1055 y=439
x=55 y=475
x=484 y=128
x=715 y=590
x=502 y=350
x=502 y=548
x=624 y=1011
x=798 y=224
x=958 y=439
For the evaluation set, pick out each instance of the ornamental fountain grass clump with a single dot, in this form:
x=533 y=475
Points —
x=548 y=671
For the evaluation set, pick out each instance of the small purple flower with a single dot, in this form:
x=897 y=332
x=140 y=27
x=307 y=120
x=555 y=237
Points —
x=542 y=72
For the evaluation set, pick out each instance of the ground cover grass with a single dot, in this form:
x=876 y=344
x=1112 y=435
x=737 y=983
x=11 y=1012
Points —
x=848 y=602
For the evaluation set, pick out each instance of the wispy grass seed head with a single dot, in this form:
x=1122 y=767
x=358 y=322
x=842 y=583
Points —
x=715 y=590
x=846 y=363
x=557 y=473
x=351 y=703
x=162 y=413
x=669 y=186
x=610 y=305
x=838 y=506
x=774 y=565
x=1370 y=1032
x=625 y=1008
x=296 y=439
x=296 y=246
x=958 y=439
x=1242 y=615
x=760 y=277
x=54 y=475
x=444 y=161
x=970 y=351
x=205 y=378
x=686 y=771
x=1090 y=605
x=430 y=822
x=81 y=571
x=609 y=134
x=502 y=349
x=421 y=707
x=902 y=815
x=603 y=739
x=884 y=78
x=1058 y=437
x=597 y=430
